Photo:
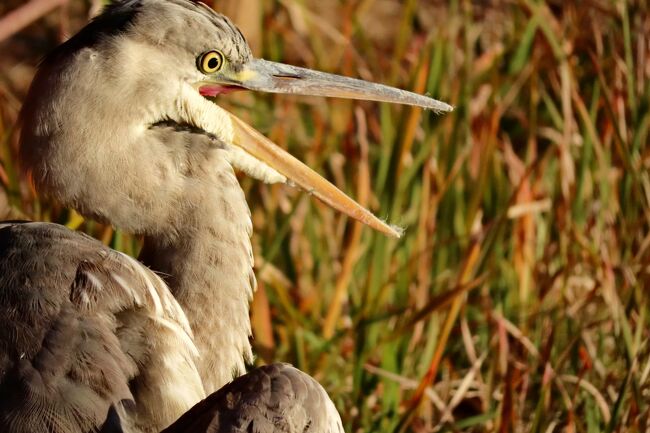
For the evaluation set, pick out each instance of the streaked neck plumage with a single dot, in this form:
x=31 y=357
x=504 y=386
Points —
x=209 y=267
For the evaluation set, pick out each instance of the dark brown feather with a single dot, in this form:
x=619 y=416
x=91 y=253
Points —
x=276 y=398
x=62 y=365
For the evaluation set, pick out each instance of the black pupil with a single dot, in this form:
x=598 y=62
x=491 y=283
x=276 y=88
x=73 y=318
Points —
x=213 y=63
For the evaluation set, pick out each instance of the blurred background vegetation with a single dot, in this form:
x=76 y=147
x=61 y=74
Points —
x=518 y=298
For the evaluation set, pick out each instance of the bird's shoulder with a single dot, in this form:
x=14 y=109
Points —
x=45 y=265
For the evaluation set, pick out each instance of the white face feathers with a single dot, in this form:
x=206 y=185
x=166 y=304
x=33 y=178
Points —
x=195 y=110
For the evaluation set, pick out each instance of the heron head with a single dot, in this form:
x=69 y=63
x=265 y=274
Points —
x=153 y=61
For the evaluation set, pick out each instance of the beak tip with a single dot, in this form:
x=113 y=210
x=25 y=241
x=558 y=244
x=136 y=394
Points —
x=442 y=107
x=396 y=231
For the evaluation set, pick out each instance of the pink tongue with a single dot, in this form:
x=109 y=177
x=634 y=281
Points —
x=216 y=89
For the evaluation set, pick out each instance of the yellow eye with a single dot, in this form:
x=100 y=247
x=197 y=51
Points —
x=210 y=62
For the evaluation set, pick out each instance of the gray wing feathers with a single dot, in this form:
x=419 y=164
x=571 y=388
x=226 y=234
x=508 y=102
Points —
x=65 y=357
x=276 y=398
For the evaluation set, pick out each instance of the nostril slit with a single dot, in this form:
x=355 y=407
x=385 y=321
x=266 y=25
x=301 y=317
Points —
x=287 y=76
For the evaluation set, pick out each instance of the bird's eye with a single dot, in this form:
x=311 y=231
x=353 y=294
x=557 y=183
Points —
x=210 y=62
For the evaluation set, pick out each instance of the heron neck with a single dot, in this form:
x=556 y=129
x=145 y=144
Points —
x=208 y=265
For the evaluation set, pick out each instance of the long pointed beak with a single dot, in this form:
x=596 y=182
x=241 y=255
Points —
x=260 y=147
x=265 y=76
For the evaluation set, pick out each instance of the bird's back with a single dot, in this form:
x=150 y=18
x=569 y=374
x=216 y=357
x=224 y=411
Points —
x=82 y=329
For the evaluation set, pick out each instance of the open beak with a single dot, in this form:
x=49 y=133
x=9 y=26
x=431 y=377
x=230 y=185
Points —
x=265 y=76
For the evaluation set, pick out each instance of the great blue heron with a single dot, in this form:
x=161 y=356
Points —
x=117 y=125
